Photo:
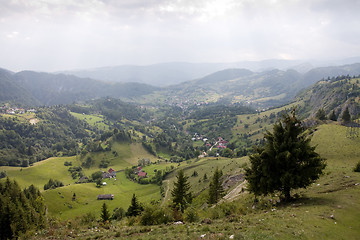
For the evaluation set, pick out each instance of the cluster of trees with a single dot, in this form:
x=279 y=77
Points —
x=51 y=184
x=24 y=143
x=20 y=210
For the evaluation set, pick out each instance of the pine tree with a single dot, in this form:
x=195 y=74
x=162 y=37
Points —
x=321 y=115
x=346 y=115
x=181 y=195
x=286 y=162
x=215 y=188
x=332 y=116
x=135 y=207
x=105 y=214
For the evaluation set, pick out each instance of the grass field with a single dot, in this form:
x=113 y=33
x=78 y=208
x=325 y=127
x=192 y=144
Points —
x=327 y=209
x=94 y=120
x=59 y=200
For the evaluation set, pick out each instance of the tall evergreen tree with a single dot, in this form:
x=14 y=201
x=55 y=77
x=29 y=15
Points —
x=181 y=195
x=346 y=115
x=216 y=190
x=286 y=162
x=320 y=114
x=20 y=211
x=135 y=207
x=105 y=214
x=332 y=116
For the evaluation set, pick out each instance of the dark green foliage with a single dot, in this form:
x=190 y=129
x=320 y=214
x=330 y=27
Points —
x=332 y=116
x=118 y=214
x=216 y=120
x=154 y=215
x=191 y=215
x=287 y=161
x=105 y=214
x=53 y=184
x=66 y=163
x=357 y=167
x=346 y=115
x=216 y=190
x=20 y=211
x=24 y=144
x=181 y=195
x=104 y=163
x=96 y=175
x=135 y=207
x=320 y=114
x=76 y=172
x=88 y=162
x=3 y=174
x=148 y=148
x=227 y=152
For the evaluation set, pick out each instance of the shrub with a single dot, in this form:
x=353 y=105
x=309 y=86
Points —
x=191 y=215
x=53 y=184
x=357 y=167
x=154 y=215
x=118 y=214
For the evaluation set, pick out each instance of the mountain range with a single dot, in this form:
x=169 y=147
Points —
x=265 y=88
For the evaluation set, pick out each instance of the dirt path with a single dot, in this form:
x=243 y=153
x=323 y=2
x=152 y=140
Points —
x=166 y=192
x=233 y=194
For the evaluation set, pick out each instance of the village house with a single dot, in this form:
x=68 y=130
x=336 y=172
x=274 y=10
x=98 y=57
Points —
x=111 y=173
x=105 y=197
x=142 y=174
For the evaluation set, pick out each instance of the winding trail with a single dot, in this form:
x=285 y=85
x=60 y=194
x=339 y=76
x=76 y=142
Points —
x=233 y=194
x=166 y=192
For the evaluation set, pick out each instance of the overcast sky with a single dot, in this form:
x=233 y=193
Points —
x=51 y=35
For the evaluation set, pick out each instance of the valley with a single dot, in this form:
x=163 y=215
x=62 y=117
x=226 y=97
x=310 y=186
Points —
x=198 y=133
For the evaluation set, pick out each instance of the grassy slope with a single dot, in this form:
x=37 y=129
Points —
x=309 y=217
x=64 y=207
x=94 y=120
x=204 y=166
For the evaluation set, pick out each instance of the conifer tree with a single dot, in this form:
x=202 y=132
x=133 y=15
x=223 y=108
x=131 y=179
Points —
x=332 y=116
x=181 y=195
x=346 y=115
x=105 y=214
x=320 y=114
x=215 y=188
x=135 y=207
x=286 y=162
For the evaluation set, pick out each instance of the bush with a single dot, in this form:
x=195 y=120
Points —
x=53 y=184
x=118 y=214
x=154 y=215
x=191 y=215
x=357 y=167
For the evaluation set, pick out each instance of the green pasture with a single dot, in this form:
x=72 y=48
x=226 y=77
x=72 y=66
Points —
x=94 y=120
x=205 y=166
x=60 y=204
x=41 y=172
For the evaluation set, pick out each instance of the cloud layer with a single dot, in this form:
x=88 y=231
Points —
x=66 y=34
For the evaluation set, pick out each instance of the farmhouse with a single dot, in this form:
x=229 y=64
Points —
x=105 y=197
x=110 y=174
x=142 y=174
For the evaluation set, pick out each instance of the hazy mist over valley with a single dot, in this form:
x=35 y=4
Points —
x=179 y=119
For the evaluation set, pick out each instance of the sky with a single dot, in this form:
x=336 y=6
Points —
x=54 y=35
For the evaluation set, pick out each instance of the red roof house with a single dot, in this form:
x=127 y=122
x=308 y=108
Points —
x=142 y=174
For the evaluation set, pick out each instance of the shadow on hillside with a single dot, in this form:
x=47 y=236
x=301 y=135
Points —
x=306 y=201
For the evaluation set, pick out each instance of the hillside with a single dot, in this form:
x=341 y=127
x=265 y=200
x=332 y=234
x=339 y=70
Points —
x=327 y=209
x=332 y=94
x=30 y=88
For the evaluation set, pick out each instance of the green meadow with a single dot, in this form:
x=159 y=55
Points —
x=59 y=200
x=94 y=120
